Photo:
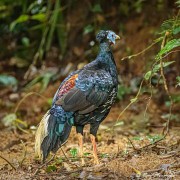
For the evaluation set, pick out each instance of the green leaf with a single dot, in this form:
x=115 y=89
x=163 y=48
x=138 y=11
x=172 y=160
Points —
x=156 y=69
x=158 y=66
x=154 y=138
x=73 y=152
x=50 y=101
x=178 y=80
x=88 y=29
x=97 y=8
x=137 y=138
x=104 y=155
x=43 y=79
x=119 y=123
x=176 y=30
x=86 y=154
x=39 y=17
x=9 y=119
x=25 y=41
x=148 y=75
x=7 y=80
x=167 y=24
x=178 y=3
x=122 y=91
x=168 y=47
x=133 y=100
x=51 y=168
x=20 y=19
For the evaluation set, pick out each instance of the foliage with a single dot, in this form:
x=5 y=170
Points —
x=154 y=138
x=122 y=91
x=43 y=79
x=168 y=47
x=156 y=68
x=178 y=80
x=7 y=80
x=11 y=120
x=51 y=168
x=35 y=20
x=74 y=152
x=170 y=29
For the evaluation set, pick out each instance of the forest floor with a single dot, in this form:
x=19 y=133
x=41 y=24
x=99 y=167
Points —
x=126 y=149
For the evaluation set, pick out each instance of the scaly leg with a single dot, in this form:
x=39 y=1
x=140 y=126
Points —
x=96 y=160
x=80 y=138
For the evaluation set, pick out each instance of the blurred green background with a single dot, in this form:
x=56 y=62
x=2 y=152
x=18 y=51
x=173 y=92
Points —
x=43 y=41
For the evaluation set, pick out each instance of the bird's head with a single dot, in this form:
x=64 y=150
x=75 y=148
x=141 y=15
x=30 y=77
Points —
x=107 y=36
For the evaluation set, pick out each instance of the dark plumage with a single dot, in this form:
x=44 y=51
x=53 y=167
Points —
x=84 y=97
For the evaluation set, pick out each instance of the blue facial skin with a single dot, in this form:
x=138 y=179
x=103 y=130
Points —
x=111 y=37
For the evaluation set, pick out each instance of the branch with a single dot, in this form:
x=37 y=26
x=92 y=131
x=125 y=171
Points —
x=27 y=95
x=8 y=162
x=165 y=84
x=137 y=54
x=132 y=101
x=46 y=163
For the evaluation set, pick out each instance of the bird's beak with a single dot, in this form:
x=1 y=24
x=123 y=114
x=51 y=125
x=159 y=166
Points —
x=117 y=37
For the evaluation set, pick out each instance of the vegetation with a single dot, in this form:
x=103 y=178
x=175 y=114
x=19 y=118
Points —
x=43 y=41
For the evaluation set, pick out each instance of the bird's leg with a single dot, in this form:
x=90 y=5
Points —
x=93 y=140
x=80 y=138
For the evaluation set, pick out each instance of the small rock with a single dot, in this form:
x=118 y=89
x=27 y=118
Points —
x=83 y=174
x=14 y=97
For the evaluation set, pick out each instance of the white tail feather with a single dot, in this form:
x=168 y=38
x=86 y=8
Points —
x=41 y=133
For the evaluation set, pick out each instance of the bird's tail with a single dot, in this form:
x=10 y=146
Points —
x=51 y=134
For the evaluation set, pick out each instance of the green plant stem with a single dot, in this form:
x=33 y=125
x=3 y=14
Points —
x=136 y=97
x=53 y=22
x=137 y=54
x=165 y=85
x=27 y=95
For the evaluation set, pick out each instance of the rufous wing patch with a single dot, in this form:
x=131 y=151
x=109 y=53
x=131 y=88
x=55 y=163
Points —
x=69 y=84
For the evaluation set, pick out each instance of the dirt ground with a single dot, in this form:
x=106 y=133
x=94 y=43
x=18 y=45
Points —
x=123 y=150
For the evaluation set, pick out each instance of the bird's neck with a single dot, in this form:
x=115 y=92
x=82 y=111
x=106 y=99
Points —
x=104 y=47
x=105 y=54
x=106 y=59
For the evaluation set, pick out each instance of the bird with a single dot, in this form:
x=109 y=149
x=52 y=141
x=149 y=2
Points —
x=84 y=97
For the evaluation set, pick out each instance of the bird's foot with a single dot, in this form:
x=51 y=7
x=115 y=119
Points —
x=96 y=160
x=82 y=162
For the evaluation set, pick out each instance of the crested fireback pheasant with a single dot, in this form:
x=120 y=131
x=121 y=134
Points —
x=84 y=97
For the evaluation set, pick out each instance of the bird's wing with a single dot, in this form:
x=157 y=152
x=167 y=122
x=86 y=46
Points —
x=84 y=91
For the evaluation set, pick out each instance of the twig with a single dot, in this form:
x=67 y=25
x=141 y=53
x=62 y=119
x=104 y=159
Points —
x=27 y=95
x=132 y=101
x=63 y=150
x=170 y=53
x=152 y=144
x=167 y=91
x=137 y=54
x=165 y=85
x=64 y=154
x=132 y=144
x=24 y=155
x=46 y=163
x=7 y=162
x=58 y=174
x=150 y=97
x=152 y=171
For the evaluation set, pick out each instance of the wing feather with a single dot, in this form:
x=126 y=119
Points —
x=85 y=91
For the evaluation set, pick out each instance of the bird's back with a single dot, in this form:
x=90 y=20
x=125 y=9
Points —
x=98 y=80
